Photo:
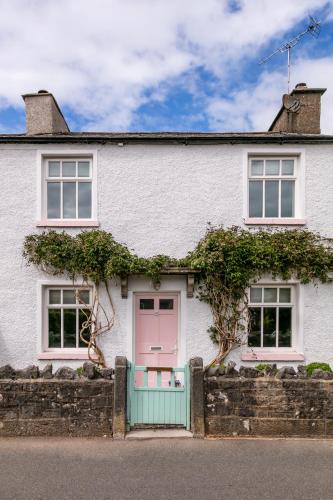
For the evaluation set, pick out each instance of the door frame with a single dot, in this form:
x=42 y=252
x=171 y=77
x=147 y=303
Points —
x=180 y=354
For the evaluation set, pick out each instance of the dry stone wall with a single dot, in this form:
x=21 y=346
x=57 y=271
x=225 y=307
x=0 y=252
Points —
x=268 y=406
x=60 y=404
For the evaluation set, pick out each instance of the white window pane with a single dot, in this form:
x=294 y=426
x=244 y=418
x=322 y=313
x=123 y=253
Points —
x=54 y=168
x=257 y=167
x=69 y=169
x=53 y=200
x=255 y=295
x=287 y=198
x=272 y=167
x=69 y=297
x=287 y=167
x=255 y=198
x=69 y=200
x=272 y=199
x=285 y=295
x=84 y=200
x=54 y=297
x=84 y=169
x=84 y=296
x=270 y=294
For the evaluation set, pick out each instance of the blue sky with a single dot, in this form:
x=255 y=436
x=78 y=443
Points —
x=161 y=64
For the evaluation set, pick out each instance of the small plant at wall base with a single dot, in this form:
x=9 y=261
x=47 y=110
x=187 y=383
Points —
x=262 y=367
x=228 y=261
x=310 y=368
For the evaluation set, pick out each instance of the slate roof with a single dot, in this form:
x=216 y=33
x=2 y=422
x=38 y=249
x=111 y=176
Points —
x=169 y=137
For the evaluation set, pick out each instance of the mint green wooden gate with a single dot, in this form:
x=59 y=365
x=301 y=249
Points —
x=158 y=395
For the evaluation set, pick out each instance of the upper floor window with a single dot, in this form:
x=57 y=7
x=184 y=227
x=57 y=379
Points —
x=68 y=188
x=272 y=187
x=271 y=313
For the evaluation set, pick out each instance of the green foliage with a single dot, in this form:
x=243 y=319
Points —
x=94 y=255
x=152 y=266
x=239 y=257
x=314 y=366
x=79 y=371
x=263 y=367
x=228 y=261
x=54 y=252
x=213 y=334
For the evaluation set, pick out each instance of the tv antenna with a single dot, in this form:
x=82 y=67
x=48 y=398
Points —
x=313 y=29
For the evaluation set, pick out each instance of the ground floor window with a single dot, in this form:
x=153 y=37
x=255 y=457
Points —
x=66 y=311
x=271 y=314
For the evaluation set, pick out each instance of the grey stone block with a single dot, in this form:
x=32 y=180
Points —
x=248 y=372
x=30 y=371
x=197 y=397
x=65 y=373
x=318 y=373
x=213 y=371
x=89 y=370
x=230 y=370
x=301 y=371
x=46 y=372
x=119 y=404
x=286 y=372
x=106 y=373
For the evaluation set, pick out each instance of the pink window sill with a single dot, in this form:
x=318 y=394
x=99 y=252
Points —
x=62 y=355
x=67 y=223
x=261 y=221
x=272 y=356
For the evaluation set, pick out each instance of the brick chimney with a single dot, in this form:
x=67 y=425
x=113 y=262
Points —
x=43 y=115
x=300 y=111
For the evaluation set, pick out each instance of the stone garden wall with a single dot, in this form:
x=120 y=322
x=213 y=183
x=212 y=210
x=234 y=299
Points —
x=224 y=401
x=280 y=403
x=40 y=403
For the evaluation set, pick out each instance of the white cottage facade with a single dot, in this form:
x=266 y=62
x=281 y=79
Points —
x=156 y=192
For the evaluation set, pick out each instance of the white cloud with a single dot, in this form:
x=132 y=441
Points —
x=255 y=107
x=100 y=58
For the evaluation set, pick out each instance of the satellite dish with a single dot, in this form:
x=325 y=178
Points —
x=291 y=103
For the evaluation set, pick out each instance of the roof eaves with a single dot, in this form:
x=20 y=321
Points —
x=167 y=137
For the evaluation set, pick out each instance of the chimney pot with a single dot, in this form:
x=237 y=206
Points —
x=43 y=115
x=301 y=86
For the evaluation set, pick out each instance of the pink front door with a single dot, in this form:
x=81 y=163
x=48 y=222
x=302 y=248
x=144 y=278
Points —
x=156 y=330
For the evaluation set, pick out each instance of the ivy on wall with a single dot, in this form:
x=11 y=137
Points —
x=228 y=261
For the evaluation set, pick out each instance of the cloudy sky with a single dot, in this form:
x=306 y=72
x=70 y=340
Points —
x=161 y=64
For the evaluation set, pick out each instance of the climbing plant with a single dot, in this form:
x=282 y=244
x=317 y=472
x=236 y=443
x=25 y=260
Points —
x=94 y=257
x=228 y=261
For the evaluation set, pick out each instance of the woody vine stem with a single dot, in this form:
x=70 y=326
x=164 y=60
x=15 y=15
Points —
x=227 y=260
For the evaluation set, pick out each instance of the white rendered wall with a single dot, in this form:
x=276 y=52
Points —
x=156 y=199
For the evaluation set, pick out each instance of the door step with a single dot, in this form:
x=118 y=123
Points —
x=158 y=434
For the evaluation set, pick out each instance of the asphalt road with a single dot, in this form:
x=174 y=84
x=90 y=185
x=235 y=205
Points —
x=42 y=469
